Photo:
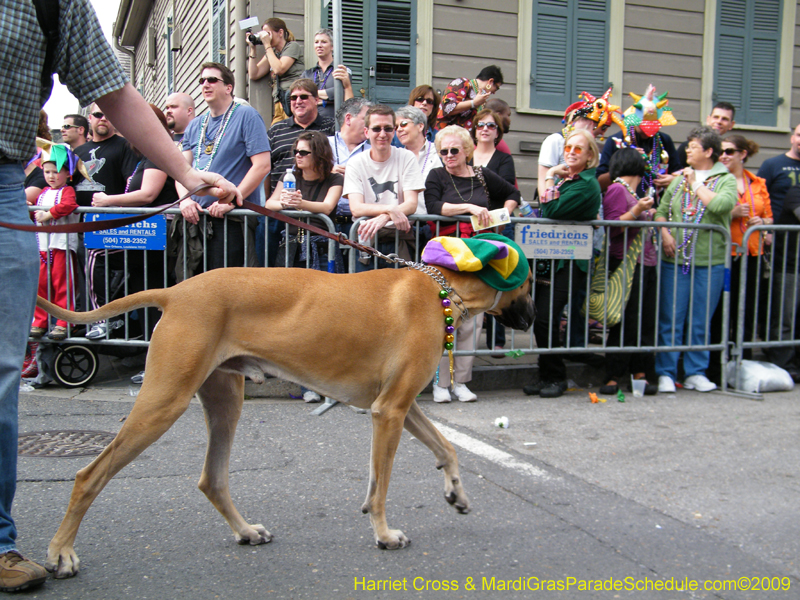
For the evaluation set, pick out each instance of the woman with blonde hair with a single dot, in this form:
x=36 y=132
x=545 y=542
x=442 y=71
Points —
x=460 y=189
x=325 y=75
x=573 y=194
x=283 y=57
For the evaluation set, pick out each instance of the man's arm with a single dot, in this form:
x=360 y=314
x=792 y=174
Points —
x=132 y=116
x=255 y=175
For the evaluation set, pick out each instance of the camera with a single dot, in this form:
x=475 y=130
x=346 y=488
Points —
x=254 y=39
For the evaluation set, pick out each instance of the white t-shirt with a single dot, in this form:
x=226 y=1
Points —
x=427 y=160
x=552 y=151
x=383 y=182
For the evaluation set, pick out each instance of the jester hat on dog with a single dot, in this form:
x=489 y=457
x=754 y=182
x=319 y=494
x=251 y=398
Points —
x=496 y=260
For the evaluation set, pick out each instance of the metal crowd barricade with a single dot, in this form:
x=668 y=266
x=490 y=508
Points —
x=577 y=330
x=776 y=305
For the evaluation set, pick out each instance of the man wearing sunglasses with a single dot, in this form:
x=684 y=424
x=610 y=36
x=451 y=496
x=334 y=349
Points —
x=74 y=131
x=383 y=185
x=230 y=139
x=108 y=157
x=303 y=96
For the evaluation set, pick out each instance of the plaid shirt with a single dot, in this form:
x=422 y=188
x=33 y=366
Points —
x=84 y=62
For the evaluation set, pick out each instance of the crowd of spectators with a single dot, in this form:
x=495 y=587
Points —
x=444 y=154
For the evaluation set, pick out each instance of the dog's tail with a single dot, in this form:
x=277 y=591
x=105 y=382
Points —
x=156 y=297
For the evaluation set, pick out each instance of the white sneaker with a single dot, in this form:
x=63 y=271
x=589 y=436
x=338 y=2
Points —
x=666 y=385
x=311 y=396
x=462 y=393
x=699 y=383
x=440 y=394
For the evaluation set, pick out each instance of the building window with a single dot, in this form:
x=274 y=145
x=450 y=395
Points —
x=746 y=69
x=568 y=53
x=219 y=37
x=379 y=40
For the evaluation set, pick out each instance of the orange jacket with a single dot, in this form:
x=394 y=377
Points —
x=760 y=208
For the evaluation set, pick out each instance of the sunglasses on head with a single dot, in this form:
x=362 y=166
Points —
x=386 y=128
x=299 y=97
x=98 y=115
x=575 y=149
x=451 y=151
x=428 y=101
x=730 y=151
x=488 y=124
x=302 y=152
x=209 y=80
x=67 y=126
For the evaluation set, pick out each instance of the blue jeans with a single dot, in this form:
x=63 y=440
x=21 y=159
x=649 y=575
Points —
x=19 y=276
x=694 y=362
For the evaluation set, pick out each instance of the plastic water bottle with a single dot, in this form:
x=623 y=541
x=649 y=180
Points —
x=525 y=209
x=289 y=181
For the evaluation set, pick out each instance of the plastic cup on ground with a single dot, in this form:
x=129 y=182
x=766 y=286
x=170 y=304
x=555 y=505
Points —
x=638 y=387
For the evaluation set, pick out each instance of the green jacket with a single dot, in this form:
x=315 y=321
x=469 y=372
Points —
x=718 y=212
x=579 y=200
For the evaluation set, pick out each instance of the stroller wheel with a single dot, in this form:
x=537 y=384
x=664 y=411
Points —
x=75 y=366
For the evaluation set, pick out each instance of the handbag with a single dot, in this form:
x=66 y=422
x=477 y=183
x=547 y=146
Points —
x=606 y=304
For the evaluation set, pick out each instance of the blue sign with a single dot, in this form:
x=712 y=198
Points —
x=150 y=234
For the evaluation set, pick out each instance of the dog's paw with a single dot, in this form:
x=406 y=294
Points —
x=395 y=540
x=459 y=501
x=254 y=536
x=64 y=563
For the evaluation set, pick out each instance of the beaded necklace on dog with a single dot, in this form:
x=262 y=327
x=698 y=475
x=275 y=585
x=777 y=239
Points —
x=211 y=146
x=447 y=310
x=690 y=213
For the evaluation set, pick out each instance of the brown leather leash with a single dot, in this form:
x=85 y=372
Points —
x=123 y=221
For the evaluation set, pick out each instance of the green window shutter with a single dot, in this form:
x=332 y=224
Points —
x=746 y=58
x=219 y=41
x=569 y=51
x=353 y=39
x=379 y=39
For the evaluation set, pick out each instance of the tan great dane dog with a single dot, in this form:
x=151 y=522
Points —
x=372 y=340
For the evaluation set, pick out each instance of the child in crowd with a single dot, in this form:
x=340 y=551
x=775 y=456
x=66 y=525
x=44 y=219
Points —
x=56 y=205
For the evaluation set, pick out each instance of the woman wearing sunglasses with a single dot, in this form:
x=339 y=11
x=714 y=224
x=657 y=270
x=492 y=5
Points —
x=317 y=190
x=573 y=194
x=752 y=208
x=411 y=126
x=487 y=133
x=458 y=189
x=427 y=99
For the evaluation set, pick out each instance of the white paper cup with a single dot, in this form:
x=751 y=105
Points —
x=638 y=387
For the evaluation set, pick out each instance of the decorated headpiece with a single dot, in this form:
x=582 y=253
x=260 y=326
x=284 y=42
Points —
x=62 y=155
x=498 y=261
x=595 y=109
x=649 y=112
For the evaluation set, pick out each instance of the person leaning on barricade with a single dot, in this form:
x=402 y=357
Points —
x=752 y=208
x=621 y=203
x=459 y=189
x=574 y=195
x=704 y=193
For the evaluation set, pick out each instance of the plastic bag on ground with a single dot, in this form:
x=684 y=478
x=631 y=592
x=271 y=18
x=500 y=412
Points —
x=758 y=377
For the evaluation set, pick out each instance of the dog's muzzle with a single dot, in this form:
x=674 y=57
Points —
x=519 y=315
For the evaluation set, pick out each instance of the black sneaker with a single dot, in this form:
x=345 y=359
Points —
x=554 y=389
x=534 y=388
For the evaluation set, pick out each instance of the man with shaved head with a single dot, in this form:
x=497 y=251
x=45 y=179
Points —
x=179 y=111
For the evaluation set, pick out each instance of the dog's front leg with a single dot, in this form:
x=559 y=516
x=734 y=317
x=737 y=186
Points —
x=387 y=427
x=421 y=428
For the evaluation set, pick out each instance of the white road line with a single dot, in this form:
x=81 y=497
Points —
x=484 y=450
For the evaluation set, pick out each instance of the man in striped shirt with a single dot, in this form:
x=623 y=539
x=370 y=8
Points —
x=303 y=98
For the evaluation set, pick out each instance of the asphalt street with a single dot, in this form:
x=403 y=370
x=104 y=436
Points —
x=687 y=490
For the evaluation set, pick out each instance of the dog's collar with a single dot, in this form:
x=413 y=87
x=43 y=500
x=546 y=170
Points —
x=437 y=276
x=496 y=300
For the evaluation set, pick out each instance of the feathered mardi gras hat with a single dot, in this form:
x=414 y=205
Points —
x=599 y=110
x=62 y=155
x=649 y=112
